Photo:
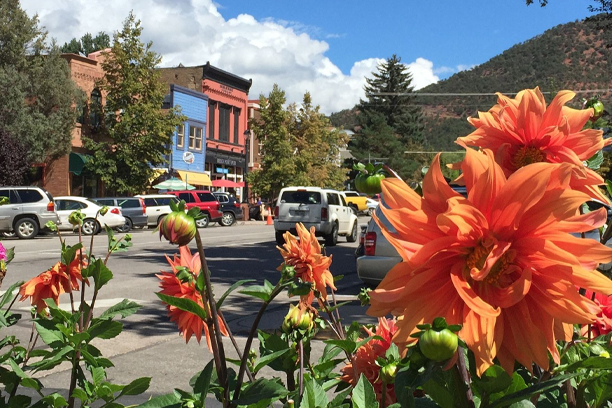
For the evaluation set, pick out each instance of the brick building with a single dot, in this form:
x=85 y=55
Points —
x=66 y=176
x=227 y=121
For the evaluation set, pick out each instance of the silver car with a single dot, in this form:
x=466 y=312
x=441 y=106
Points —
x=27 y=212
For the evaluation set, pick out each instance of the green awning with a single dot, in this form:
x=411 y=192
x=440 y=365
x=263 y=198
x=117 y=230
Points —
x=77 y=162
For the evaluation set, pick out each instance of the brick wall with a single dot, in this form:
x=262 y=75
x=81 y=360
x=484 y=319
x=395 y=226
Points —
x=57 y=177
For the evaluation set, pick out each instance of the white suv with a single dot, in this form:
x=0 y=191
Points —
x=324 y=209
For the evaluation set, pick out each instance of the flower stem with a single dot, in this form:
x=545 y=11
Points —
x=465 y=378
x=301 y=357
x=383 y=396
x=247 y=346
x=218 y=342
x=233 y=339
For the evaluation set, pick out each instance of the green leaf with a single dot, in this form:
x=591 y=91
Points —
x=532 y=390
x=100 y=273
x=125 y=308
x=105 y=329
x=363 y=394
x=231 y=289
x=26 y=381
x=314 y=395
x=340 y=397
x=97 y=375
x=265 y=360
x=136 y=387
x=10 y=254
x=48 y=332
x=80 y=394
x=595 y=162
x=55 y=400
x=256 y=291
x=202 y=382
x=261 y=389
x=184 y=304
x=493 y=380
x=522 y=404
x=518 y=384
x=163 y=401
x=69 y=252
x=592 y=363
x=53 y=359
x=609 y=187
x=9 y=295
x=439 y=393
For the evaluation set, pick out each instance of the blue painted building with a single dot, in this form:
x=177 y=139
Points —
x=189 y=140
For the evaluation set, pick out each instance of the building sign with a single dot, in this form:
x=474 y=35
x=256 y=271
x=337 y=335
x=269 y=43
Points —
x=226 y=89
x=226 y=159
x=219 y=170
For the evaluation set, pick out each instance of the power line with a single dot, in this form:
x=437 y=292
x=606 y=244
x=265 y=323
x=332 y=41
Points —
x=477 y=94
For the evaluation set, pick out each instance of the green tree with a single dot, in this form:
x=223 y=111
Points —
x=316 y=147
x=390 y=93
x=13 y=169
x=38 y=96
x=278 y=166
x=136 y=134
x=87 y=44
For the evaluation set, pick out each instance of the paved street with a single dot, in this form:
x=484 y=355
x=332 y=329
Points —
x=150 y=345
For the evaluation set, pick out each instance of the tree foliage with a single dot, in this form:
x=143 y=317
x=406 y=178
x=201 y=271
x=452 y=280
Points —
x=38 y=96
x=316 y=147
x=87 y=44
x=136 y=134
x=389 y=94
x=13 y=167
x=299 y=146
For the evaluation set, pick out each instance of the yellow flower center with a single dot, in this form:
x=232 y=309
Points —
x=528 y=155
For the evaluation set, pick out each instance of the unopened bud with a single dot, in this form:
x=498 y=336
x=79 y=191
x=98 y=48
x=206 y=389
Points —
x=178 y=228
x=76 y=218
x=103 y=210
x=604 y=354
x=387 y=373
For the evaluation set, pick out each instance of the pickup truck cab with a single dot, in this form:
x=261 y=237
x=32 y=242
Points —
x=205 y=201
x=356 y=201
x=324 y=209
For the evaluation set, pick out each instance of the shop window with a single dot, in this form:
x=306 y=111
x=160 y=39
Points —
x=211 y=120
x=180 y=136
x=195 y=137
x=95 y=108
x=224 y=123
x=236 y=121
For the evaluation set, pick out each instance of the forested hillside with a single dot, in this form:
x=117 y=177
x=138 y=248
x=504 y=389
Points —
x=576 y=56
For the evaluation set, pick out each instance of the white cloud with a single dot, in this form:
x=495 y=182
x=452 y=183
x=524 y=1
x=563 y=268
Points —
x=194 y=32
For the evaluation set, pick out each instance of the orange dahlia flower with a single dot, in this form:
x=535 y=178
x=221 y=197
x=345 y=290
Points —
x=364 y=360
x=501 y=262
x=188 y=323
x=523 y=130
x=305 y=256
x=52 y=283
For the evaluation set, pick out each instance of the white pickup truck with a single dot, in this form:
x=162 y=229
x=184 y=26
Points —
x=324 y=209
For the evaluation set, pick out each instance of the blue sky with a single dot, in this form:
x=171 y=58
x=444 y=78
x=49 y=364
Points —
x=449 y=33
x=326 y=48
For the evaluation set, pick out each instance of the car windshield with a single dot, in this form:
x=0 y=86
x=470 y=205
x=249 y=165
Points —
x=301 y=197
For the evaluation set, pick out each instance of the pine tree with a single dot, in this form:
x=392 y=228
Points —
x=87 y=44
x=136 y=134
x=389 y=93
x=278 y=164
x=38 y=97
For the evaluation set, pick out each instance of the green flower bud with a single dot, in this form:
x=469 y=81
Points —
x=178 y=228
x=103 y=210
x=387 y=373
x=51 y=226
x=76 y=218
x=604 y=354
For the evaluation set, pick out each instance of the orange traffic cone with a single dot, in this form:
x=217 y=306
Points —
x=269 y=219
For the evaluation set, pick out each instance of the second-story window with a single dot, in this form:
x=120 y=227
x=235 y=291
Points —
x=224 y=123
x=180 y=136
x=95 y=108
x=195 y=138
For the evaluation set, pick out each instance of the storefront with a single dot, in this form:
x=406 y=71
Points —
x=222 y=165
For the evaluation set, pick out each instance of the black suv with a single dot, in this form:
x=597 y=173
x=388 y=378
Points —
x=132 y=208
x=230 y=208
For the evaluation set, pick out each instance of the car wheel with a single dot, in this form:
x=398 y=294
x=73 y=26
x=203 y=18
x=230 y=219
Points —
x=8 y=234
x=127 y=227
x=89 y=227
x=203 y=222
x=26 y=228
x=280 y=240
x=353 y=236
x=228 y=219
x=332 y=238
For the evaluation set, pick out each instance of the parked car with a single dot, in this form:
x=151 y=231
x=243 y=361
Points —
x=93 y=222
x=357 y=201
x=157 y=206
x=27 y=211
x=205 y=201
x=132 y=208
x=230 y=207
x=324 y=209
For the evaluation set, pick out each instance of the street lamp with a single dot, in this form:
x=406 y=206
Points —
x=247 y=138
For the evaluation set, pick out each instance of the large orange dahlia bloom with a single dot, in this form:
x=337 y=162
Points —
x=501 y=262
x=304 y=254
x=58 y=279
x=364 y=360
x=522 y=130
x=188 y=323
